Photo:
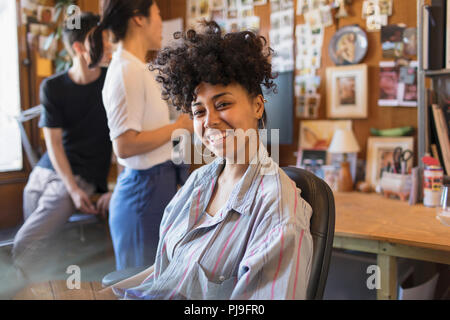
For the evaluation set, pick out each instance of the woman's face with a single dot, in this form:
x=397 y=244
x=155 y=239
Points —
x=153 y=28
x=219 y=111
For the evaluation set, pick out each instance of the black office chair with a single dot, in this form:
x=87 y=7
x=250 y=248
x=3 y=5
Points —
x=318 y=194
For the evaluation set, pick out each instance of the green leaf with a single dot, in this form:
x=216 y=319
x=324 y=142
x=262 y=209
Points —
x=49 y=41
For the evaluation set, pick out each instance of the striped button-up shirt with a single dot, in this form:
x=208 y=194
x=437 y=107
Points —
x=258 y=246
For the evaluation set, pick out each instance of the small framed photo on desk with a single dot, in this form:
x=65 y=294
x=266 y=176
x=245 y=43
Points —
x=380 y=155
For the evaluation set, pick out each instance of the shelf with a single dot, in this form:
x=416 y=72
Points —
x=436 y=73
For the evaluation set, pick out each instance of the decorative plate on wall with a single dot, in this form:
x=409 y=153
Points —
x=348 y=45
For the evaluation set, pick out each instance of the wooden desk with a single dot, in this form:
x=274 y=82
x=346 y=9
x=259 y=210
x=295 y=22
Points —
x=57 y=290
x=389 y=228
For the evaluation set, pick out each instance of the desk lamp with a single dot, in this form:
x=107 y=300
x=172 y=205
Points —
x=344 y=141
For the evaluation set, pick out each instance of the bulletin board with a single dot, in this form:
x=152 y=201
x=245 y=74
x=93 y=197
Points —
x=403 y=12
x=377 y=117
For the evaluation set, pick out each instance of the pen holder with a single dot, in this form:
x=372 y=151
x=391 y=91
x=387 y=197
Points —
x=393 y=184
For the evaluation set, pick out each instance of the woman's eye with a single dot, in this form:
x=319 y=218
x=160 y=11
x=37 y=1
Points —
x=222 y=105
x=198 y=113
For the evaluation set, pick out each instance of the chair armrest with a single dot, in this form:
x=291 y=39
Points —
x=119 y=275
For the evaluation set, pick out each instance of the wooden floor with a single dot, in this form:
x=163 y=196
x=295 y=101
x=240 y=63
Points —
x=58 y=290
x=94 y=256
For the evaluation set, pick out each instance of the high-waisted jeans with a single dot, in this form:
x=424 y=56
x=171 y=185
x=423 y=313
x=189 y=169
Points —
x=136 y=209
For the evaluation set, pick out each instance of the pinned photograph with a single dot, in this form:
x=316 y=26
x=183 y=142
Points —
x=233 y=25
x=286 y=4
x=408 y=85
x=370 y=8
x=385 y=7
x=232 y=14
x=326 y=16
x=275 y=5
x=410 y=42
x=45 y=14
x=302 y=7
x=232 y=4
x=29 y=11
x=246 y=12
x=193 y=9
x=275 y=21
x=375 y=22
x=218 y=15
x=218 y=4
x=314 y=4
x=203 y=7
x=314 y=19
x=392 y=41
x=287 y=20
x=389 y=79
x=259 y=2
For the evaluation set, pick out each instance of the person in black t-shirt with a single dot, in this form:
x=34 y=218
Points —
x=79 y=150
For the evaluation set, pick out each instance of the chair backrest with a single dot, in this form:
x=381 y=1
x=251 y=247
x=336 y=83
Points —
x=318 y=194
x=32 y=154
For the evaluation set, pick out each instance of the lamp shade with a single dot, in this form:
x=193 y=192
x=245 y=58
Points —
x=344 y=141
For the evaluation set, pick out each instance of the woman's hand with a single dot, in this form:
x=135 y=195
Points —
x=185 y=122
x=81 y=201
x=103 y=203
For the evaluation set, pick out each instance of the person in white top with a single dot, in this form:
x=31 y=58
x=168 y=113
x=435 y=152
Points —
x=140 y=130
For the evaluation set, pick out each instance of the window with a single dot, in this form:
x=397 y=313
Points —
x=10 y=142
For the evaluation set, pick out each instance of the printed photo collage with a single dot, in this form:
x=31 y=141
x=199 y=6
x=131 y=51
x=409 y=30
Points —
x=231 y=15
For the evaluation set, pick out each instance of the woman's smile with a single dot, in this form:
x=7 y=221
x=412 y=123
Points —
x=218 y=138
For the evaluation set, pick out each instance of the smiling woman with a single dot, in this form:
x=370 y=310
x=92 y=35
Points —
x=234 y=230
x=9 y=90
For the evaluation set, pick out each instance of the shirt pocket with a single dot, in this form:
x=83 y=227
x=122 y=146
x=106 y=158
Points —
x=209 y=289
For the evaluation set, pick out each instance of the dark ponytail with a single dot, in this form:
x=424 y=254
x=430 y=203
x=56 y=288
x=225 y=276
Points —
x=115 y=17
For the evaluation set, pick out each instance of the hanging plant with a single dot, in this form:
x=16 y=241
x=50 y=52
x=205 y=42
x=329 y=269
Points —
x=62 y=59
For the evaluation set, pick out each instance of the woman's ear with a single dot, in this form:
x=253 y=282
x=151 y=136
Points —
x=259 y=106
x=78 y=48
x=138 y=20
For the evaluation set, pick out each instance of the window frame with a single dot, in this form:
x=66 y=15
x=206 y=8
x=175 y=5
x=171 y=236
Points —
x=25 y=75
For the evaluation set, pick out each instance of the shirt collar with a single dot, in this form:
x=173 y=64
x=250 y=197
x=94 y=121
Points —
x=122 y=52
x=243 y=194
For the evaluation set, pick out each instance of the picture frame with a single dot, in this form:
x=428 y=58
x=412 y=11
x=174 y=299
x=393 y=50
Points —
x=380 y=154
x=347 y=92
x=317 y=134
x=45 y=14
x=331 y=176
x=312 y=161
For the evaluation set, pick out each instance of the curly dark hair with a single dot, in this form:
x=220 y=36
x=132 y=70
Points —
x=208 y=56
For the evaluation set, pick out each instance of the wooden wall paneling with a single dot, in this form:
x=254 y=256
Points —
x=11 y=205
x=89 y=5
x=379 y=117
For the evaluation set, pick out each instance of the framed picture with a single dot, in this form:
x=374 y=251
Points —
x=347 y=92
x=331 y=176
x=45 y=14
x=313 y=161
x=380 y=155
x=317 y=134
